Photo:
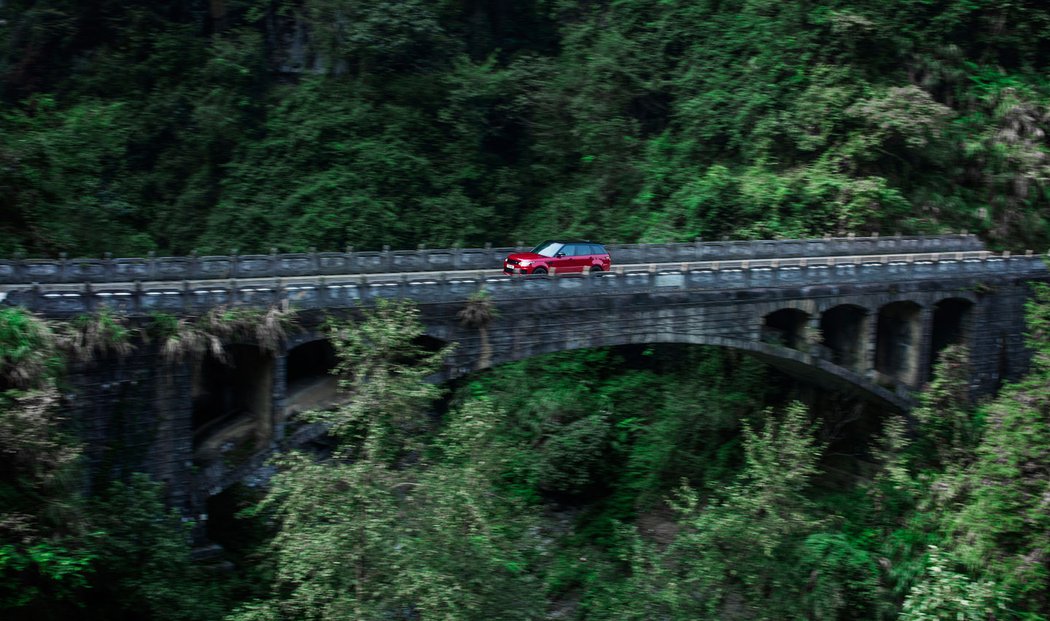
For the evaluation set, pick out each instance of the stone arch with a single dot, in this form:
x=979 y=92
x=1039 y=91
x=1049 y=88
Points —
x=232 y=401
x=796 y=363
x=898 y=343
x=952 y=318
x=309 y=383
x=845 y=336
x=786 y=326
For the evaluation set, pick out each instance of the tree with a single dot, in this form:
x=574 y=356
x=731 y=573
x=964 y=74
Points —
x=754 y=551
x=371 y=532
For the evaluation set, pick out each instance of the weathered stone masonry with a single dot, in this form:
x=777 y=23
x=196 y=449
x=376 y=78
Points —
x=870 y=325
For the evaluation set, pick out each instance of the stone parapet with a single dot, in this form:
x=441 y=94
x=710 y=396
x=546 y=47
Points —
x=275 y=265
x=323 y=293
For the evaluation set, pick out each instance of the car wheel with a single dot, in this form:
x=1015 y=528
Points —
x=596 y=268
x=540 y=270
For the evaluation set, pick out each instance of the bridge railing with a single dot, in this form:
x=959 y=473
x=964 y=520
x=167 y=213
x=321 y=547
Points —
x=275 y=265
x=66 y=300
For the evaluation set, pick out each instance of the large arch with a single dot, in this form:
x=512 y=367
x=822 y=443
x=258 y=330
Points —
x=796 y=363
x=898 y=343
x=464 y=361
x=844 y=329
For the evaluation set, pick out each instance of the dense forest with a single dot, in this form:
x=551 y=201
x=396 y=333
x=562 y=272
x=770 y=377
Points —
x=635 y=483
x=131 y=126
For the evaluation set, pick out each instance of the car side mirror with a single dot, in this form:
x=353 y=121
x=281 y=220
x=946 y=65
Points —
x=559 y=255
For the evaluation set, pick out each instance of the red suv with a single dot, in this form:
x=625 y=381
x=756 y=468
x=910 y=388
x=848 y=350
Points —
x=560 y=257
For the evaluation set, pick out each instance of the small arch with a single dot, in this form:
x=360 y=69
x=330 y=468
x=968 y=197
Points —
x=845 y=329
x=898 y=343
x=309 y=381
x=786 y=327
x=951 y=325
x=233 y=401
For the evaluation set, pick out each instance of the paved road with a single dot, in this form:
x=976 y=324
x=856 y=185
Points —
x=493 y=273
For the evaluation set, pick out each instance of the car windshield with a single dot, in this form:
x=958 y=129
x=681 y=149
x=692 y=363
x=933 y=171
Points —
x=548 y=248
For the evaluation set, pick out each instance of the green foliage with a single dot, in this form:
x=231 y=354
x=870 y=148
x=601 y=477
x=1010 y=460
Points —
x=95 y=336
x=950 y=426
x=142 y=566
x=371 y=532
x=947 y=595
x=183 y=338
x=28 y=349
x=135 y=126
x=383 y=365
x=754 y=550
x=569 y=460
x=44 y=563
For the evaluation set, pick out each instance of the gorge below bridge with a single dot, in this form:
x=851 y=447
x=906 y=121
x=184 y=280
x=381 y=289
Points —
x=861 y=315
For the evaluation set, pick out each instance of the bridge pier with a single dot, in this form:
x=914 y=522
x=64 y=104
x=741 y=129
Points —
x=899 y=343
x=279 y=395
x=924 y=354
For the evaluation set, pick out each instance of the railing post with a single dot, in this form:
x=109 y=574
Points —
x=235 y=261
x=362 y=286
x=107 y=266
x=322 y=292
x=187 y=297
x=386 y=258
x=925 y=347
x=151 y=265
x=63 y=267
x=136 y=297
x=280 y=294
x=88 y=294
x=457 y=256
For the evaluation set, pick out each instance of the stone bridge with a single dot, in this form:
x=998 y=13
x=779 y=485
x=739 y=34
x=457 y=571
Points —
x=861 y=315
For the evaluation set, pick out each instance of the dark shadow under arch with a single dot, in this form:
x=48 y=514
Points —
x=786 y=327
x=898 y=342
x=951 y=325
x=844 y=329
x=233 y=399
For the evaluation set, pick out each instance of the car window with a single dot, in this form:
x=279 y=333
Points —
x=572 y=250
x=597 y=249
x=548 y=248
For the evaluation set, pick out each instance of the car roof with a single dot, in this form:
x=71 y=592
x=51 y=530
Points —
x=568 y=241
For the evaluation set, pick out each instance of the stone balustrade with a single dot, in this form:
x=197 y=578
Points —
x=275 y=265
x=324 y=293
